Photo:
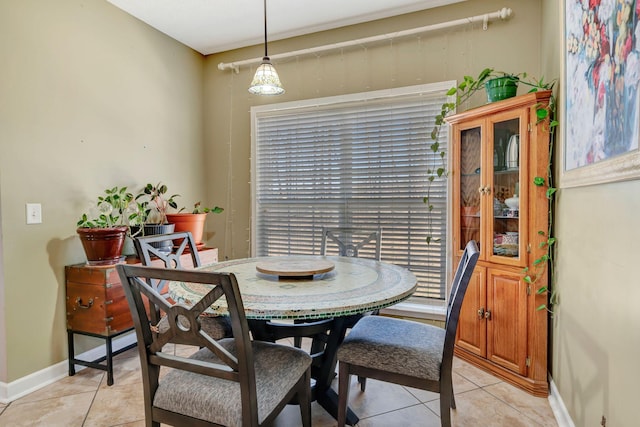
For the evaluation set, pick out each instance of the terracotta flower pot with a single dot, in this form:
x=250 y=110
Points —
x=190 y=222
x=103 y=246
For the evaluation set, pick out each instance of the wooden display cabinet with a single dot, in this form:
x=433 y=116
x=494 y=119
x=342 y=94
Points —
x=497 y=151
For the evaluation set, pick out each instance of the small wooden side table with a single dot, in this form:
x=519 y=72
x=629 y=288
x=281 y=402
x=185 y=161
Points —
x=97 y=307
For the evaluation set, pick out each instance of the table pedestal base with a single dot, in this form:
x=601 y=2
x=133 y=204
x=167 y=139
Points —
x=327 y=333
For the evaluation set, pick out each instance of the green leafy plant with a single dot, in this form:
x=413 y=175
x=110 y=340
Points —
x=113 y=209
x=153 y=204
x=198 y=209
x=548 y=241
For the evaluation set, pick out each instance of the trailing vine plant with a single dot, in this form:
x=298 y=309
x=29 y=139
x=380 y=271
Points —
x=547 y=259
x=468 y=87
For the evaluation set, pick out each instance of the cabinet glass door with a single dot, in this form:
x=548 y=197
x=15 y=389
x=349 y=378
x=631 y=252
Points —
x=469 y=202
x=507 y=227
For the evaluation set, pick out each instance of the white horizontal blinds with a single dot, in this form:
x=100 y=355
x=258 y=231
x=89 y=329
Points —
x=357 y=164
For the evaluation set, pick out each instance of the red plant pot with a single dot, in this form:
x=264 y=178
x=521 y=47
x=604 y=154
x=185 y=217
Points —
x=103 y=246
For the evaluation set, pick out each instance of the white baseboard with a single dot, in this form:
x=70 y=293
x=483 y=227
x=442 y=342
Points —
x=557 y=406
x=35 y=381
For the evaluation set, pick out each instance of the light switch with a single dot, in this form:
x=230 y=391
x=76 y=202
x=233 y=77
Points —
x=34 y=213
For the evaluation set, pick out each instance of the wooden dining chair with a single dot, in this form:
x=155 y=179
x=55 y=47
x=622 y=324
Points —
x=228 y=382
x=405 y=352
x=346 y=241
x=182 y=244
x=350 y=241
x=353 y=242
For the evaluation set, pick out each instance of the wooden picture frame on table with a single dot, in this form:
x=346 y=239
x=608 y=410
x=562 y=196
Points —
x=601 y=93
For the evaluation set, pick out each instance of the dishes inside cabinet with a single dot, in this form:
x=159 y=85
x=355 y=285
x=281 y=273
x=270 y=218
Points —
x=505 y=250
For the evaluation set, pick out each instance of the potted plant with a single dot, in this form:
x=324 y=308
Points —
x=152 y=205
x=103 y=229
x=193 y=221
x=501 y=87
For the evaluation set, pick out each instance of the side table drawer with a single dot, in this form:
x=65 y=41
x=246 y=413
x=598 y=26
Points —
x=97 y=309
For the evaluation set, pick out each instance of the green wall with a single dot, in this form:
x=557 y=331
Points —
x=90 y=98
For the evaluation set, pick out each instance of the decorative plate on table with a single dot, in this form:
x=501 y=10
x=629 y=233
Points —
x=293 y=267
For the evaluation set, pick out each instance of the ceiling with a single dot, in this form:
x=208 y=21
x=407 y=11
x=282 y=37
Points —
x=210 y=26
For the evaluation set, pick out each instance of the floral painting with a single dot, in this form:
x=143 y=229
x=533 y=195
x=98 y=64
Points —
x=602 y=76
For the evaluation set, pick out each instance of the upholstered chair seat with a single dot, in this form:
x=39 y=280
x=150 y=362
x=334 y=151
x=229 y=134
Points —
x=395 y=345
x=277 y=370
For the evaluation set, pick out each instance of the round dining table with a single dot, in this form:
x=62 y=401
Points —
x=307 y=288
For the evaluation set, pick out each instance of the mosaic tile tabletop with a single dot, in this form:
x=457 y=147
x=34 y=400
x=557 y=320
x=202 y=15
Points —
x=354 y=286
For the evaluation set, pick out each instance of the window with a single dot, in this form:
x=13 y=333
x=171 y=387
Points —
x=352 y=161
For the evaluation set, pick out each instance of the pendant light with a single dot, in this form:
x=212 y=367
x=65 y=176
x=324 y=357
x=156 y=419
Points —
x=266 y=80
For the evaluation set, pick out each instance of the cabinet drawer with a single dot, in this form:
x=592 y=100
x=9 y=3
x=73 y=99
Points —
x=97 y=309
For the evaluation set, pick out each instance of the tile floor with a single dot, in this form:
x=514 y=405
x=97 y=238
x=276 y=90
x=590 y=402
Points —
x=86 y=400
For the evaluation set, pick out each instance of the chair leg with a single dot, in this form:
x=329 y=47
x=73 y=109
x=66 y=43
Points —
x=445 y=410
x=363 y=383
x=343 y=392
x=304 y=400
x=453 y=399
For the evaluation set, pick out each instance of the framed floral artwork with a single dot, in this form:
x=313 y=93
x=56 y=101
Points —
x=601 y=94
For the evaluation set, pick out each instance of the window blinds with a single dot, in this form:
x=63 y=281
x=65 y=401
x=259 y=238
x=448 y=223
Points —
x=353 y=163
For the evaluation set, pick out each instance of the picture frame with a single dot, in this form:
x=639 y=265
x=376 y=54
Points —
x=600 y=104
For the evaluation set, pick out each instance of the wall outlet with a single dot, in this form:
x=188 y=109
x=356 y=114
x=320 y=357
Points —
x=34 y=213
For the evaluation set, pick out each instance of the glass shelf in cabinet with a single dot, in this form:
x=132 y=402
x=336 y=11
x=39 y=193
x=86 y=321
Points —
x=506 y=171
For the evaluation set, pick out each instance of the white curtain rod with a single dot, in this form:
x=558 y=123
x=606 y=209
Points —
x=503 y=13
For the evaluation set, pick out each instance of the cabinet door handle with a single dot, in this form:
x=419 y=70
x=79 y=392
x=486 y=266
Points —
x=79 y=302
x=487 y=314
x=481 y=313
x=484 y=190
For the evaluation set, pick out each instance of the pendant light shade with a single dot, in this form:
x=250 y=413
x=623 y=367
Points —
x=266 y=80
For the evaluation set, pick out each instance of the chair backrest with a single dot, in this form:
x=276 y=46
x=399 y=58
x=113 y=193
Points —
x=458 y=289
x=183 y=243
x=185 y=326
x=350 y=241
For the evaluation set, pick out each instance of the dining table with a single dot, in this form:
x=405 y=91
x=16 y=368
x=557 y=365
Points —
x=304 y=288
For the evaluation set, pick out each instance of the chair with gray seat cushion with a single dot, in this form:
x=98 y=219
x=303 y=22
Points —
x=229 y=382
x=183 y=244
x=353 y=242
x=347 y=241
x=405 y=352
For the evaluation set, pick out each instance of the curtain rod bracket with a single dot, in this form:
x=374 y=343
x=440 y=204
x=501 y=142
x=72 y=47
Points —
x=229 y=66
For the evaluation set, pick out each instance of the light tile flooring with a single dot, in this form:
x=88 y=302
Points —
x=86 y=400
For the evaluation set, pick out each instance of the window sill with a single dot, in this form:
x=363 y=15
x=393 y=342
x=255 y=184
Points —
x=418 y=311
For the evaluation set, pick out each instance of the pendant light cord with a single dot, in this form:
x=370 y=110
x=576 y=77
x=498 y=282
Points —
x=265 y=29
